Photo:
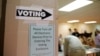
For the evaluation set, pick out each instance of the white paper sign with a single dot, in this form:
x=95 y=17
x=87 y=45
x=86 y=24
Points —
x=42 y=40
x=34 y=13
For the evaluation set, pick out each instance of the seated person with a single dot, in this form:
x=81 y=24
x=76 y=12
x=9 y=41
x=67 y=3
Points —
x=73 y=46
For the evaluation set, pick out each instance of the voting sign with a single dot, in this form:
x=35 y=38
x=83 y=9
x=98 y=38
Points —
x=30 y=13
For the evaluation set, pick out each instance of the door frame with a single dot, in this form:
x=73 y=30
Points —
x=2 y=26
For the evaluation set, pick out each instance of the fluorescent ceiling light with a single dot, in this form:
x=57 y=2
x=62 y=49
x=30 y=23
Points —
x=89 y=22
x=73 y=21
x=75 y=5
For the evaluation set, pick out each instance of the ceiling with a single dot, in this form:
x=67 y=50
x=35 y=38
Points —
x=87 y=13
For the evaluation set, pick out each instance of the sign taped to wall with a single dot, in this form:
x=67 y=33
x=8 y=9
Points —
x=34 y=13
x=42 y=40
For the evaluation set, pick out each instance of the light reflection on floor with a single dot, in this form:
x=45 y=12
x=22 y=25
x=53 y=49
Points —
x=61 y=53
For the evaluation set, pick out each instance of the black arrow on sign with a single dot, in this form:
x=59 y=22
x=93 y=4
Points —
x=47 y=14
x=32 y=13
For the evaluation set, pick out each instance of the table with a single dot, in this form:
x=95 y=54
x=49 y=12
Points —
x=92 y=51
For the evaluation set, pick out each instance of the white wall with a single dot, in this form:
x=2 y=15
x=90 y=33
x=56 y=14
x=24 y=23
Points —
x=16 y=42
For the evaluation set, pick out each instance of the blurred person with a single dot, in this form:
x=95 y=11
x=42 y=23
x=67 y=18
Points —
x=73 y=46
x=75 y=33
x=87 y=35
x=90 y=42
x=96 y=32
x=70 y=31
x=83 y=39
x=97 y=41
x=60 y=41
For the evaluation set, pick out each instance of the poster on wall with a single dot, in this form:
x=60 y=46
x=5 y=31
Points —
x=41 y=40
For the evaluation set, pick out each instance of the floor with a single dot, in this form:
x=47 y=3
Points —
x=89 y=54
x=61 y=54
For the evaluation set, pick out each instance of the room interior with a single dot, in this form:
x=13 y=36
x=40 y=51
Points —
x=87 y=13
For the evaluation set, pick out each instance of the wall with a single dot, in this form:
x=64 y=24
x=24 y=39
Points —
x=16 y=42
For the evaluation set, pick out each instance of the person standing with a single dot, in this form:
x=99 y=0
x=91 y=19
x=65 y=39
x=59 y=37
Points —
x=60 y=43
x=97 y=41
x=75 y=33
x=70 y=31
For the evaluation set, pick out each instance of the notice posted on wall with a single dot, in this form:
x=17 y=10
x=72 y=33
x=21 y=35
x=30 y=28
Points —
x=41 y=40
